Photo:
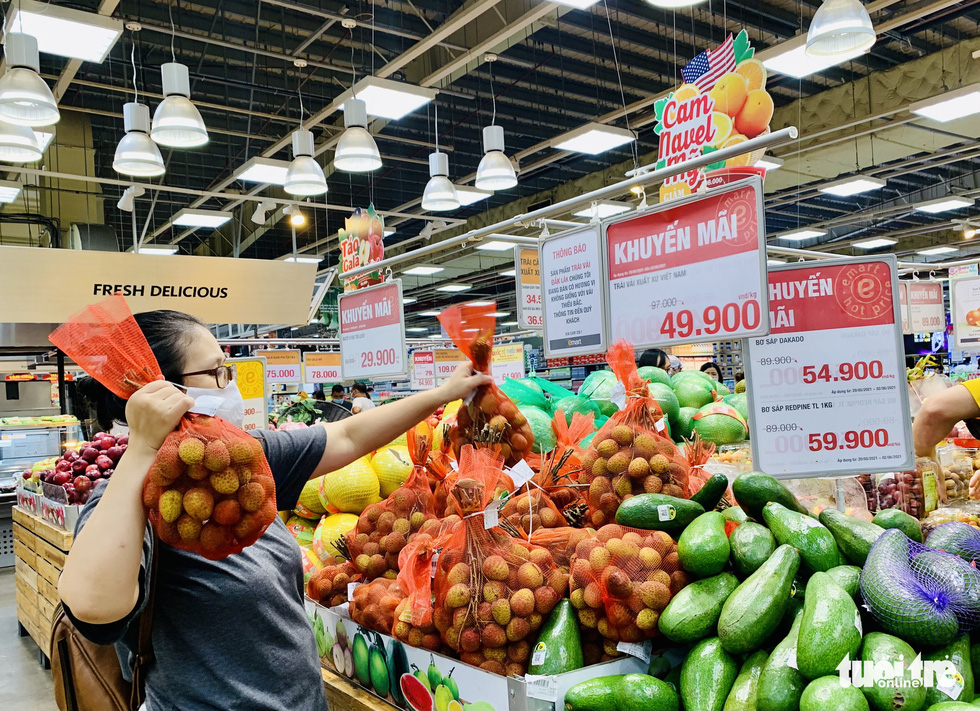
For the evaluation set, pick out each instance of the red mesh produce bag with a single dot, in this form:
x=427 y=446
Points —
x=532 y=510
x=413 y=617
x=384 y=529
x=622 y=579
x=492 y=592
x=328 y=586
x=373 y=604
x=210 y=489
x=489 y=417
x=628 y=455
x=561 y=542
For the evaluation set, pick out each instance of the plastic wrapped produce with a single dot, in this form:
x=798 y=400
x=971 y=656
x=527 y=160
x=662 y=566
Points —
x=956 y=462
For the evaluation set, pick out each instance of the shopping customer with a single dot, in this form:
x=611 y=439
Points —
x=338 y=396
x=361 y=398
x=655 y=357
x=712 y=369
x=938 y=416
x=227 y=634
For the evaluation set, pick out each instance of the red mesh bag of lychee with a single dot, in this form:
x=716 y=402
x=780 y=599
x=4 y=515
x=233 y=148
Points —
x=210 y=489
x=492 y=591
x=488 y=417
x=384 y=529
x=560 y=542
x=373 y=604
x=328 y=586
x=629 y=455
x=622 y=579
x=413 y=617
x=530 y=511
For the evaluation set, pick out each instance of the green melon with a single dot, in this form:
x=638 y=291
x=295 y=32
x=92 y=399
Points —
x=693 y=392
x=540 y=422
x=740 y=401
x=667 y=400
x=653 y=374
x=720 y=423
x=575 y=403
x=690 y=374
x=685 y=423
x=721 y=389
x=598 y=388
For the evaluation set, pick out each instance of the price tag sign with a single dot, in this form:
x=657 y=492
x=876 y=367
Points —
x=423 y=374
x=528 y=287
x=250 y=380
x=827 y=387
x=572 y=293
x=541 y=687
x=964 y=306
x=446 y=361
x=322 y=368
x=507 y=361
x=927 y=311
x=903 y=302
x=690 y=271
x=372 y=332
x=282 y=366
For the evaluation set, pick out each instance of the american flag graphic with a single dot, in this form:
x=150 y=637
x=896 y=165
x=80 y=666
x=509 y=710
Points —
x=708 y=67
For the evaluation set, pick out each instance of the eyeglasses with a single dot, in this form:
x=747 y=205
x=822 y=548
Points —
x=223 y=374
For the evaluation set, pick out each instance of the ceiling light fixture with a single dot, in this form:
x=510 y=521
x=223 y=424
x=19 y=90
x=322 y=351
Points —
x=9 y=190
x=439 y=194
x=417 y=329
x=509 y=323
x=18 y=144
x=791 y=58
x=494 y=246
x=853 y=185
x=389 y=99
x=454 y=288
x=176 y=122
x=303 y=259
x=409 y=300
x=509 y=272
x=495 y=171
x=770 y=163
x=468 y=195
x=950 y=105
x=936 y=250
x=64 y=31
x=500 y=314
x=263 y=170
x=874 y=243
x=601 y=209
x=387 y=231
x=422 y=270
x=577 y=4
x=673 y=4
x=25 y=99
x=429 y=313
x=840 y=28
x=259 y=216
x=356 y=150
x=950 y=202
x=802 y=234
x=478 y=304
x=159 y=249
x=304 y=176
x=774 y=262
x=127 y=200
x=136 y=153
x=969 y=232
x=189 y=217
x=296 y=216
x=593 y=138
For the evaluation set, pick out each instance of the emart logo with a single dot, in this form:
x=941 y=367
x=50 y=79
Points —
x=940 y=674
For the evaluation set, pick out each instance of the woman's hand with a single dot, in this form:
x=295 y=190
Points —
x=462 y=383
x=153 y=412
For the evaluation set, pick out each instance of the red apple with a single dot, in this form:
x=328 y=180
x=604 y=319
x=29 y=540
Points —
x=115 y=453
x=70 y=455
x=61 y=478
x=107 y=442
x=92 y=471
x=81 y=484
x=27 y=474
x=377 y=252
x=62 y=465
x=122 y=440
x=84 y=497
x=104 y=462
x=78 y=466
x=107 y=473
x=89 y=454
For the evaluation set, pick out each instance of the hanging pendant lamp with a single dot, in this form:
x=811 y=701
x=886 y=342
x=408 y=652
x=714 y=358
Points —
x=18 y=144
x=495 y=171
x=25 y=99
x=840 y=28
x=177 y=123
x=440 y=194
x=304 y=176
x=356 y=150
x=136 y=154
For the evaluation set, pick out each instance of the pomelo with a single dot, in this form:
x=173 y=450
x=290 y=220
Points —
x=598 y=387
x=720 y=423
x=653 y=374
x=693 y=392
x=685 y=423
x=740 y=402
x=540 y=422
x=667 y=400
x=575 y=403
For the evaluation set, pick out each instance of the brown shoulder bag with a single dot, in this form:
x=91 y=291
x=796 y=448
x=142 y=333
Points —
x=87 y=676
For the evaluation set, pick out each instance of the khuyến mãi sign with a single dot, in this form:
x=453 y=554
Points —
x=372 y=332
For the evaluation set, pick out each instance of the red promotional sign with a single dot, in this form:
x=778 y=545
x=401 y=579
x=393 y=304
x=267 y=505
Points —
x=692 y=270
x=372 y=332
x=370 y=309
x=927 y=311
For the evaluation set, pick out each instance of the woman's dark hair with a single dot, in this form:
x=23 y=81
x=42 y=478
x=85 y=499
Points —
x=168 y=333
x=359 y=388
x=712 y=364
x=655 y=357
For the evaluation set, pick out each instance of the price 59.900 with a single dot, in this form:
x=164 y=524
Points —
x=851 y=439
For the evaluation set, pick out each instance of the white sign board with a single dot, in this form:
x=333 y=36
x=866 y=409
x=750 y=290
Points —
x=250 y=379
x=282 y=366
x=689 y=271
x=446 y=361
x=572 y=293
x=927 y=311
x=321 y=368
x=372 y=332
x=827 y=387
x=528 y=281
x=964 y=306
x=423 y=373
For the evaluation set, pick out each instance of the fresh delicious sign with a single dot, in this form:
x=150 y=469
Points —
x=49 y=285
x=372 y=332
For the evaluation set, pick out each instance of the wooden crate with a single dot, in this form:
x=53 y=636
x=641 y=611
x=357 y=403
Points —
x=51 y=553
x=342 y=694
x=24 y=518
x=25 y=536
x=47 y=570
x=24 y=553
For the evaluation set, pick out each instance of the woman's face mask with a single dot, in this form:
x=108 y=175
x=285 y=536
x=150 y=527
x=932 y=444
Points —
x=225 y=403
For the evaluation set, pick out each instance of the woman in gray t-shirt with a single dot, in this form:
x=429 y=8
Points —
x=227 y=634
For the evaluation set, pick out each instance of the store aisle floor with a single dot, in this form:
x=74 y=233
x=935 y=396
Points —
x=24 y=685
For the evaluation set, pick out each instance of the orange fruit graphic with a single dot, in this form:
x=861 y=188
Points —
x=754 y=72
x=755 y=114
x=739 y=161
x=729 y=93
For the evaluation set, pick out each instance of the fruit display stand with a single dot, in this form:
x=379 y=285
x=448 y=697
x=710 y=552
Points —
x=40 y=549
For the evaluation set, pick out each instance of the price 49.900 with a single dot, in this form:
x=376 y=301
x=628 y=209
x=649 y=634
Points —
x=714 y=319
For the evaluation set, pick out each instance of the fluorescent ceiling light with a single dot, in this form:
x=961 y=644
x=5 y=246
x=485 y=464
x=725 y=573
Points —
x=417 y=329
x=500 y=314
x=9 y=190
x=800 y=235
x=790 y=58
x=673 y=4
x=769 y=163
x=577 y=4
x=303 y=259
x=950 y=202
x=852 y=186
x=161 y=249
x=874 y=243
x=604 y=208
x=773 y=262
x=201 y=218
x=479 y=303
x=389 y=99
x=453 y=288
x=388 y=232
x=509 y=323
x=263 y=170
x=509 y=272
x=937 y=250
x=43 y=139
x=423 y=270
x=64 y=31
x=429 y=313
x=495 y=246
x=950 y=105
x=409 y=300
x=593 y=138
x=468 y=195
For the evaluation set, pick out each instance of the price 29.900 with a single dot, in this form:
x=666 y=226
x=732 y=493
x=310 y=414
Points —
x=382 y=356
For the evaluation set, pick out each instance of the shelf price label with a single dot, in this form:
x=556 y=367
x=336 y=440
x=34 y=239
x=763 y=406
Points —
x=423 y=370
x=964 y=300
x=446 y=360
x=250 y=379
x=927 y=310
x=322 y=368
x=528 y=278
x=691 y=270
x=507 y=361
x=372 y=332
x=827 y=387
x=282 y=366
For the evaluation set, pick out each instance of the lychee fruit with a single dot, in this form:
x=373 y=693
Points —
x=197 y=472
x=402 y=526
x=522 y=602
x=240 y=450
x=654 y=594
x=582 y=573
x=652 y=484
x=161 y=476
x=215 y=538
x=631 y=633
x=494 y=590
x=225 y=482
x=622 y=434
x=519 y=652
x=460 y=573
x=638 y=468
x=500 y=610
x=519 y=550
x=610 y=531
x=495 y=567
x=607 y=448
x=458 y=596
x=541 y=557
x=645 y=445
x=622 y=485
x=599 y=559
x=600 y=468
x=650 y=558
x=474 y=659
x=517 y=629
x=577 y=598
x=588 y=618
x=483 y=613
x=498 y=654
x=659 y=464
x=385 y=522
x=191 y=451
x=678 y=581
x=250 y=525
x=647 y=619
x=619 y=615
x=593 y=595
x=494 y=635
x=617 y=583
x=362 y=562
x=244 y=475
x=598 y=487
x=199 y=503
x=216 y=457
x=588 y=459
x=151 y=494
x=416 y=521
x=461 y=615
x=608 y=504
x=189 y=528
x=673 y=490
x=618 y=463
x=494 y=668
x=395 y=541
x=545 y=599
x=228 y=512
x=529 y=576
